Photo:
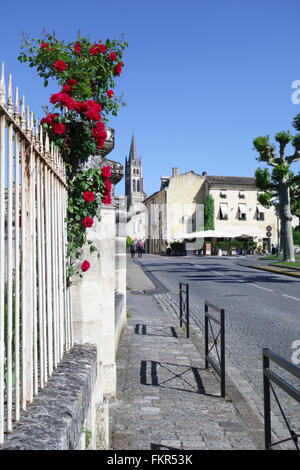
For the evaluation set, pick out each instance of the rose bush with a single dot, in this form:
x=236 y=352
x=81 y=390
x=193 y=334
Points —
x=85 y=73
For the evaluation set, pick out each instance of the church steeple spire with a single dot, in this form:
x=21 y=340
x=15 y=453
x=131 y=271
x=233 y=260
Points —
x=132 y=152
x=134 y=182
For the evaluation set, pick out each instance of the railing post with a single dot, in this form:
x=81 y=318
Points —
x=267 y=404
x=206 y=334
x=180 y=302
x=222 y=353
x=27 y=277
x=187 y=311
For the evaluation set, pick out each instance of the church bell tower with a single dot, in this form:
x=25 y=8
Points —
x=134 y=181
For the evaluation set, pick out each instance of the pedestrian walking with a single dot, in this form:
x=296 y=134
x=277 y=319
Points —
x=133 y=249
x=140 y=248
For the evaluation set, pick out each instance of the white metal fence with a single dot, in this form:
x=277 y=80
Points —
x=35 y=313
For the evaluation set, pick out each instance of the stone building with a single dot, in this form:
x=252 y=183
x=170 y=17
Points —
x=134 y=181
x=178 y=208
x=134 y=192
x=174 y=209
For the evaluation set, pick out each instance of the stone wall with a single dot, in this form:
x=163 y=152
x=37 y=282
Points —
x=61 y=416
x=120 y=268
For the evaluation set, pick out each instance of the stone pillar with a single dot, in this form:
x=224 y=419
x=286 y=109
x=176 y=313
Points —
x=93 y=309
x=87 y=328
x=107 y=235
x=93 y=300
x=121 y=219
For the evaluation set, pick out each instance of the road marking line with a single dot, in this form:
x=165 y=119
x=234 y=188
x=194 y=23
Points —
x=291 y=297
x=259 y=287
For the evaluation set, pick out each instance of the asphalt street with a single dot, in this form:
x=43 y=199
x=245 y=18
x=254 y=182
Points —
x=262 y=308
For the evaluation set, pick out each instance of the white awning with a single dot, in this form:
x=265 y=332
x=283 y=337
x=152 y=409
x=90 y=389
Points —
x=223 y=233
x=251 y=231
x=261 y=209
x=224 y=209
x=242 y=208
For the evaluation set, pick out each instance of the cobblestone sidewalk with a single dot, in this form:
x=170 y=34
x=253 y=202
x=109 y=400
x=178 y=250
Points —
x=165 y=397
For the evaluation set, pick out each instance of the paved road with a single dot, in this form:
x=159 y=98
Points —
x=262 y=308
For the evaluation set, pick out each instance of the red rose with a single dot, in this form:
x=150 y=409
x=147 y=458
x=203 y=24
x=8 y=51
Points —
x=110 y=93
x=107 y=186
x=77 y=47
x=85 y=265
x=51 y=49
x=100 y=126
x=54 y=98
x=99 y=134
x=50 y=119
x=118 y=69
x=112 y=56
x=58 y=128
x=80 y=107
x=105 y=172
x=60 y=65
x=94 y=50
x=93 y=115
x=45 y=45
x=91 y=104
x=107 y=199
x=71 y=82
x=43 y=120
x=67 y=89
x=64 y=100
x=88 y=222
x=89 y=196
x=102 y=48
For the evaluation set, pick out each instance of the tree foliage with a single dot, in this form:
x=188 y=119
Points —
x=209 y=213
x=278 y=185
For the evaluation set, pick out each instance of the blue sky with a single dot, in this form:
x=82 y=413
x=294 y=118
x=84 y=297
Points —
x=201 y=79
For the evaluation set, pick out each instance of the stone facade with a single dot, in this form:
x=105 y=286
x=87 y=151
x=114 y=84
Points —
x=134 y=181
x=174 y=210
x=178 y=208
x=134 y=193
x=234 y=198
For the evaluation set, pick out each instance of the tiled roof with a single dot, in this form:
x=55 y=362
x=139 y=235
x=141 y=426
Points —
x=230 y=180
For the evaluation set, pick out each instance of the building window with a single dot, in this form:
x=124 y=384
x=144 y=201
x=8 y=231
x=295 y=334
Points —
x=133 y=185
x=242 y=194
x=242 y=212
x=223 y=194
x=138 y=185
x=260 y=216
x=223 y=212
x=260 y=212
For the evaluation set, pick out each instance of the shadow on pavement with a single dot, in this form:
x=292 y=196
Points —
x=155 y=330
x=161 y=373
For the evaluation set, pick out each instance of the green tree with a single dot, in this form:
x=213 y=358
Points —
x=295 y=204
x=209 y=213
x=129 y=241
x=277 y=184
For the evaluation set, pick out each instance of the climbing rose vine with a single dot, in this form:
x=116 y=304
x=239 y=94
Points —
x=85 y=73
